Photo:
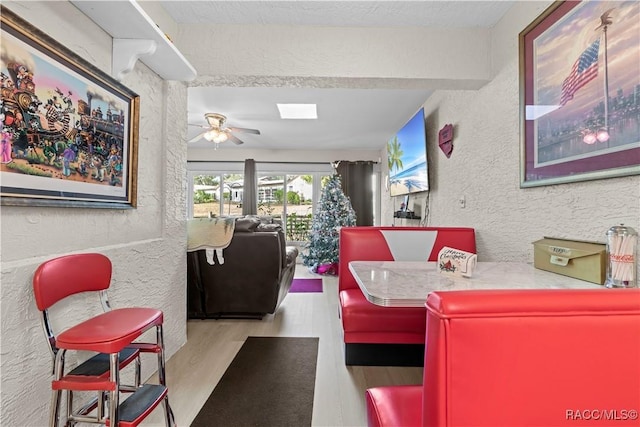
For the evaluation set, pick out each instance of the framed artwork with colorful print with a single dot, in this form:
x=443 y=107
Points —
x=580 y=93
x=69 y=131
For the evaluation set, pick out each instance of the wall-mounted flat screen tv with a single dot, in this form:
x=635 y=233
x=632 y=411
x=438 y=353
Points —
x=407 y=156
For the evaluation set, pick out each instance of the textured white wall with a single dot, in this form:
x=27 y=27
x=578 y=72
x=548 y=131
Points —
x=402 y=53
x=484 y=167
x=147 y=245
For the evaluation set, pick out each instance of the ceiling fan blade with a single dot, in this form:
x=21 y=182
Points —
x=197 y=137
x=234 y=139
x=244 y=130
x=200 y=126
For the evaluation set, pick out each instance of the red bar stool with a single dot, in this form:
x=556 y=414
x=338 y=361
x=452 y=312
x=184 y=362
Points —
x=111 y=335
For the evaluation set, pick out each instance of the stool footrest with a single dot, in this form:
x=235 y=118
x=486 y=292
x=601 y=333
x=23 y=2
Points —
x=140 y=404
x=145 y=347
x=98 y=365
x=83 y=383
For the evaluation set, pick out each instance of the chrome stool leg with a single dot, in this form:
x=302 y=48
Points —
x=69 y=423
x=58 y=368
x=114 y=395
x=160 y=342
x=138 y=374
x=168 y=413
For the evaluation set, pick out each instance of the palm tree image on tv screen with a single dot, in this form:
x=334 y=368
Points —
x=407 y=158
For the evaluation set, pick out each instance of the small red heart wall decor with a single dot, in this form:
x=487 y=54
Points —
x=445 y=139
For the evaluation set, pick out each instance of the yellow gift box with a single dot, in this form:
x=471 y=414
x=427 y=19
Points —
x=574 y=258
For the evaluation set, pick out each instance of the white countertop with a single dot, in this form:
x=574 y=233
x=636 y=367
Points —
x=407 y=284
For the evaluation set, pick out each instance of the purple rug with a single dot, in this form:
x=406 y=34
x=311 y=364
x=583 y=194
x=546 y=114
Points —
x=306 y=285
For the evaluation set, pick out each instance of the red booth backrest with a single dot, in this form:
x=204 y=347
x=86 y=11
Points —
x=532 y=357
x=397 y=244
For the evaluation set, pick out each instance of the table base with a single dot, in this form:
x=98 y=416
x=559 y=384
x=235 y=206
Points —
x=361 y=354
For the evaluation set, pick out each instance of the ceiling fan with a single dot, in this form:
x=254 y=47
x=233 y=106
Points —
x=218 y=132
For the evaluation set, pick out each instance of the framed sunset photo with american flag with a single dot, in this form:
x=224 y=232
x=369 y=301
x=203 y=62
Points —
x=580 y=93
x=69 y=131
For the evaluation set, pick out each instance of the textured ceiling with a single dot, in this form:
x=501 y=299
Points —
x=348 y=118
x=437 y=14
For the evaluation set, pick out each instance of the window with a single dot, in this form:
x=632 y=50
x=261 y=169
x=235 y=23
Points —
x=216 y=195
x=287 y=192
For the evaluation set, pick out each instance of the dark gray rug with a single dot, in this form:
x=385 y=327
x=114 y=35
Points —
x=270 y=382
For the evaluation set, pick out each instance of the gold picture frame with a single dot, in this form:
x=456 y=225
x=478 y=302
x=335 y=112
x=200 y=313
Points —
x=69 y=132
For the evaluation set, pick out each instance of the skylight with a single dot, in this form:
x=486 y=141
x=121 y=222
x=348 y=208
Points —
x=297 y=111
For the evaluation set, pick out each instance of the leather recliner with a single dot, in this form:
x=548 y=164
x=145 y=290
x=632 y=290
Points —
x=255 y=277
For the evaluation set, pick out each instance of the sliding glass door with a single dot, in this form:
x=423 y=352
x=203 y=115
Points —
x=289 y=193
x=288 y=199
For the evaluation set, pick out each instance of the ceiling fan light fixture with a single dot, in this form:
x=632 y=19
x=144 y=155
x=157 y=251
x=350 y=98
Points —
x=215 y=120
x=298 y=111
x=218 y=132
x=210 y=135
x=220 y=137
x=215 y=135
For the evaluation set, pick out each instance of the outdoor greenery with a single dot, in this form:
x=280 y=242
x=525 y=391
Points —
x=293 y=198
x=265 y=208
x=206 y=180
x=278 y=195
x=201 y=196
x=298 y=227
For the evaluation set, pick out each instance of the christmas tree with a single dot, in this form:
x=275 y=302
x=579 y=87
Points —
x=334 y=212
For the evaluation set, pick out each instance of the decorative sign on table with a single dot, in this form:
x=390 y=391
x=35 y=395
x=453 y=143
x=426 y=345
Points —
x=455 y=262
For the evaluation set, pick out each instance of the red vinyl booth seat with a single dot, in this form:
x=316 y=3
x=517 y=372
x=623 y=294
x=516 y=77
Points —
x=365 y=323
x=522 y=358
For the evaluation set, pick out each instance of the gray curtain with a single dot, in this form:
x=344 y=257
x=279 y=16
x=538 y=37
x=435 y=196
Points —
x=250 y=192
x=357 y=186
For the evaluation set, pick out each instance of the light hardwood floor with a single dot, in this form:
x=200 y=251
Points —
x=194 y=371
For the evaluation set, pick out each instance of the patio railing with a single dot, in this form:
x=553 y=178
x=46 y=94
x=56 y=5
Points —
x=298 y=227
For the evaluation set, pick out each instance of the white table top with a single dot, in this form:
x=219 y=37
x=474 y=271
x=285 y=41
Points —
x=407 y=284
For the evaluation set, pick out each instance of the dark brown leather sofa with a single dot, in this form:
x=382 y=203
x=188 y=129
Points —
x=255 y=277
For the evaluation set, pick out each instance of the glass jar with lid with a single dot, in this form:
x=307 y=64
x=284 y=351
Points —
x=622 y=267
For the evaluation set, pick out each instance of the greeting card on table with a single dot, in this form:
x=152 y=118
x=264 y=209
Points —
x=456 y=262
